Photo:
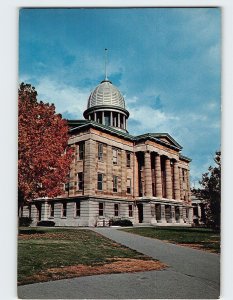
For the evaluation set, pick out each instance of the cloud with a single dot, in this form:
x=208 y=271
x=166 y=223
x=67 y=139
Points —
x=68 y=100
x=165 y=61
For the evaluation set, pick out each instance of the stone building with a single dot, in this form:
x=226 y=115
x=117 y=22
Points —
x=142 y=178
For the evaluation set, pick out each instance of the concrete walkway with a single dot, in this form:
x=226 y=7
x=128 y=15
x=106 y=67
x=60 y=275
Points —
x=192 y=274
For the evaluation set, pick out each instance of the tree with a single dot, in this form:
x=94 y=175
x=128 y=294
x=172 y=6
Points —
x=210 y=193
x=43 y=154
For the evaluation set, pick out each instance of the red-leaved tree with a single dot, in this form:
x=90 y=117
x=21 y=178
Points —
x=43 y=154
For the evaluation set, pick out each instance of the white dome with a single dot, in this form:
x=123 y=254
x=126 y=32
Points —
x=106 y=94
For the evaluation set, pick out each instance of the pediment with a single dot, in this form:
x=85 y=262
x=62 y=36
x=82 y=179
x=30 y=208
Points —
x=165 y=137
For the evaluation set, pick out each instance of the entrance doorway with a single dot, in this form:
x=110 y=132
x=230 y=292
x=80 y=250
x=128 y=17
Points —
x=140 y=212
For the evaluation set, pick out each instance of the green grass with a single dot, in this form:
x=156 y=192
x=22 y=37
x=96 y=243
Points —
x=204 y=238
x=39 y=249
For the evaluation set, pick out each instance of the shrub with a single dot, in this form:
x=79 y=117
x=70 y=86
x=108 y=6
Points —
x=46 y=223
x=25 y=221
x=120 y=222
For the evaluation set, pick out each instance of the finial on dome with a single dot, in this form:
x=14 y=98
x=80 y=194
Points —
x=106 y=57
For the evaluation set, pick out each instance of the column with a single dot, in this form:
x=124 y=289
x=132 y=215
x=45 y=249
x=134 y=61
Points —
x=89 y=117
x=188 y=186
x=190 y=215
x=176 y=181
x=111 y=119
x=163 y=218
x=153 y=214
x=181 y=185
x=135 y=215
x=158 y=178
x=173 y=219
x=123 y=172
x=136 y=183
x=119 y=120
x=109 y=170
x=199 y=212
x=44 y=210
x=181 y=219
x=95 y=116
x=90 y=174
x=168 y=179
x=148 y=179
x=124 y=122
x=103 y=120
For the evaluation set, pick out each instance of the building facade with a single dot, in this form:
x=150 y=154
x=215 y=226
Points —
x=113 y=174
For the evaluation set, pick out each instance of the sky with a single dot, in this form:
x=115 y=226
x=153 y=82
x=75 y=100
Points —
x=165 y=61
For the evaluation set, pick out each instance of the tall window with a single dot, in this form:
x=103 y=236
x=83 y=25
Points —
x=130 y=210
x=114 y=156
x=100 y=181
x=80 y=181
x=81 y=148
x=101 y=209
x=107 y=119
x=64 y=209
x=128 y=159
x=51 y=210
x=128 y=186
x=116 y=210
x=183 y=174
x=77 y=209
x=66 y=186
x=100 y=151
x=115 y=183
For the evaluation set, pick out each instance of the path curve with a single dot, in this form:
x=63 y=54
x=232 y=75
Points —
x=193 y=274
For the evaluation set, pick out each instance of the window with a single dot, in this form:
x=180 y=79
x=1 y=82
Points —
x=66 y=186
x=100 y=181
x=106 y=119
x=114 y=156
x=80 y=181
x=116 y=210
x=128 y=159
x=101 y=209
x=77 y=209
x=183 y=174
x=115 y=183
x=100 y=151
x=130 y=210
x=51 y=210
x=128 y=186
x=64 y=209
x=81 y=151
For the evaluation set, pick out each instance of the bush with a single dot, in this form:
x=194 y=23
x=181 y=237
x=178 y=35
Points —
x=46 y=223
x=25 y=221
x=120 y=222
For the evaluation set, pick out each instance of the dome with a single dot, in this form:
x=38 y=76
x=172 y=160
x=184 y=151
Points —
x=106 y=94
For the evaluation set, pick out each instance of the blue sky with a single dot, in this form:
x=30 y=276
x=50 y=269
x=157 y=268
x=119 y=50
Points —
x=165 y=61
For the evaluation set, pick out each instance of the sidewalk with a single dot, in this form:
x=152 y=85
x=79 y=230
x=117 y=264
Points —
x=193 y=274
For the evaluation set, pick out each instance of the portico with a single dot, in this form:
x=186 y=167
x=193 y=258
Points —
x=162 y=179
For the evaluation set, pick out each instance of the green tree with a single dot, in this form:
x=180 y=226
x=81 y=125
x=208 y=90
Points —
x=210 y=192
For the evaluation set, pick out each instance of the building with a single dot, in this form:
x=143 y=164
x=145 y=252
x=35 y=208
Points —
x=199 y=214
x=142 y=178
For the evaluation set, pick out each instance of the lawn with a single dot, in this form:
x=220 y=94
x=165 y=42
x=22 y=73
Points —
x=200 y=238
x=49 y=254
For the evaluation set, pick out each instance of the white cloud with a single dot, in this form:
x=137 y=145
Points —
x=66 y=98
x=151 y=120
